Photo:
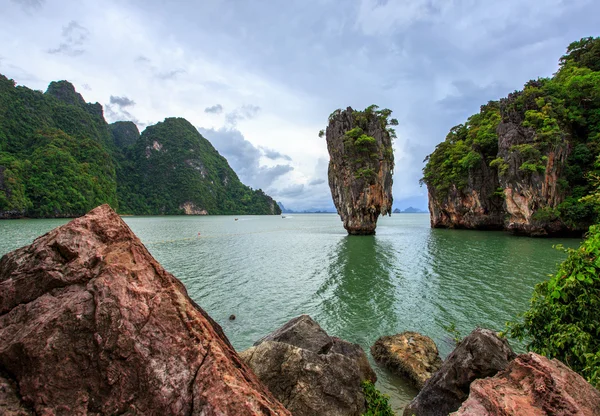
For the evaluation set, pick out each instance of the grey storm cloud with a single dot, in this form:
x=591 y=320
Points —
x=74 y=37
x=244 y=112
x=215 y=109
x=244 y=157
x=274 y=154
x=122 y=101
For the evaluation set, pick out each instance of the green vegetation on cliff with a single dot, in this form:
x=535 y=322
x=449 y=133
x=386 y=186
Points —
x=554 y=116
x=171 y=166
x=361 y=149
x=54 y=153
x=59 y=157
x=465 y=147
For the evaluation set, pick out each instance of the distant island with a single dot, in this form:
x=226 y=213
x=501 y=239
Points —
x=285 y=210
x=60 y=158
x=409 y=210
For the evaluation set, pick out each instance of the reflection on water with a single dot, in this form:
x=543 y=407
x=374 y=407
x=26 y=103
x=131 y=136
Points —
x=267 y=270
x=359 y=298
x=358 y=288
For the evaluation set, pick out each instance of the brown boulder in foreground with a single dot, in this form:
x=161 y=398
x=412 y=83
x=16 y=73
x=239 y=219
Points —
x=310 y=372
x=90 y=323
x=408 y=354
x=532 y=385
x=480 y=354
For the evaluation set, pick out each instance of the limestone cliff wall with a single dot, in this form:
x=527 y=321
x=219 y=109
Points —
x=477 y=206
x=519 y=192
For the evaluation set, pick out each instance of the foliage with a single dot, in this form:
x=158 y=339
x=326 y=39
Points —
x=465 y=148
x=54 y=153
x=172 y=164
x=377 y=402
x=563 y=320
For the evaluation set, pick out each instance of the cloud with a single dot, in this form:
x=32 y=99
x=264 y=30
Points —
x=215 y=109
x=122 y=101
x=244 y=112
x=292 y=191
x=118 y=110
x=172 y=74
x=74 y=37
x=274 y=154
x=244 y=157
x=30 y=4
x=314 y=182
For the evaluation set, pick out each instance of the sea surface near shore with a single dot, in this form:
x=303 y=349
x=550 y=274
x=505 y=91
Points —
x=268 y=269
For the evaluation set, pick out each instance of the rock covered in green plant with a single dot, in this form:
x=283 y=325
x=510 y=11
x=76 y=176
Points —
x=59 y=158
x=563 y=320
x=173 y=169
x=361 y=165
x=523 y=163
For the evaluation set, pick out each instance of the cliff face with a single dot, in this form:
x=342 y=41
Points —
x=91 y=324
x=530 y=178
x=476 y=206
x=524 y=163
x=360 y=167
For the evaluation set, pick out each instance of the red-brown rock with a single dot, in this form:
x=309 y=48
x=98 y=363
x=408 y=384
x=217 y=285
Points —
x=90 y=323
x=532 y=385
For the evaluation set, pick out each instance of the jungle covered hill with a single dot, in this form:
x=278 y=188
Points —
x=524 y=163
x=60 y=158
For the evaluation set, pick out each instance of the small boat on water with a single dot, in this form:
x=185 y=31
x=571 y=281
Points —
x=236 y=219
x=283 y=216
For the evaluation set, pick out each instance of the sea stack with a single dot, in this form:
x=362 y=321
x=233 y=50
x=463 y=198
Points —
x=360 y=166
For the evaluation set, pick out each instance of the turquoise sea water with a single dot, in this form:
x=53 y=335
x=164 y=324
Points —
x=268 y=269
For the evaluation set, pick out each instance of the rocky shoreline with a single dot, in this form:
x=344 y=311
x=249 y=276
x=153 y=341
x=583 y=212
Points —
x=91 y=324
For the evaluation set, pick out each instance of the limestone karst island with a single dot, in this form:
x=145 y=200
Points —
x=178 y=236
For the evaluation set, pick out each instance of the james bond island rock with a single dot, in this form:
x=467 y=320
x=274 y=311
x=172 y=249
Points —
x=523 y=163
x=361 y=165
x=481 y=354
x=310 y=372
x=408 y=354
x=90 y=323
x=532 y=385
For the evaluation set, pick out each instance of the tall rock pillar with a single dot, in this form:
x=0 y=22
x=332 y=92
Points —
x=361 y=165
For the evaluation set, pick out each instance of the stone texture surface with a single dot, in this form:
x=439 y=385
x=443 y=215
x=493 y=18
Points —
x=310 y=372
x=532 y=385
x=478 y=205
x=408 y=354
x=90 y=323
x=359 y=200
x=481 y=354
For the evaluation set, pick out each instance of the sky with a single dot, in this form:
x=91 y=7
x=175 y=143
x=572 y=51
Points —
x=259 y=78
